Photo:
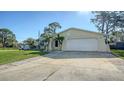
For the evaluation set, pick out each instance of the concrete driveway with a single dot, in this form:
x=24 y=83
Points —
x=68 y=66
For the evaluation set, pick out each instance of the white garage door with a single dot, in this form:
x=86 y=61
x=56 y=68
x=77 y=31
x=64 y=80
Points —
x=81 y=45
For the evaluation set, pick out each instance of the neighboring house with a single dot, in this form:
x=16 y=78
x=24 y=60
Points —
x=24 y=47
x=79 y=40
x=116 y=37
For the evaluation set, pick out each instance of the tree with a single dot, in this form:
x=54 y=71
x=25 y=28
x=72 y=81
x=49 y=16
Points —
x=102 y=22
x=50 y=33
x=31 y=42
x=108 y=22
x=7 y=38
x=53 y=26
x=116 y=36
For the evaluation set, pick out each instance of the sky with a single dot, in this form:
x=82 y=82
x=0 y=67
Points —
x=25 y=24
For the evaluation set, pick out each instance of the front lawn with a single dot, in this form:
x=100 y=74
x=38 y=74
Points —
x=8 y=48
x=8 y=56
x=120 y=53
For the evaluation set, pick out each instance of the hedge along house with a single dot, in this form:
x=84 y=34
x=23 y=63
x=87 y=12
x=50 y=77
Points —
x=79 y=40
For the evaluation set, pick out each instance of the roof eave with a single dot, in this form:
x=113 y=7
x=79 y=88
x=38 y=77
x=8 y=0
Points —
x=80 y=30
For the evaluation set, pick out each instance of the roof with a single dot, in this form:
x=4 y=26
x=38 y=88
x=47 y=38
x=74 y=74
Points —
x=72 y=28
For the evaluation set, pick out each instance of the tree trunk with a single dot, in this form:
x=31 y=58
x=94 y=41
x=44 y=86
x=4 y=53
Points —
x=3 y=42
x=103 y=23
x=107 y=32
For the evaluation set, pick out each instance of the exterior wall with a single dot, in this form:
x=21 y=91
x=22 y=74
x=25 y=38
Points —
x=73 y=33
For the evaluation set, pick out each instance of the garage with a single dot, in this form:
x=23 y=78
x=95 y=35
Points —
x=82 y=45
x=76 y=39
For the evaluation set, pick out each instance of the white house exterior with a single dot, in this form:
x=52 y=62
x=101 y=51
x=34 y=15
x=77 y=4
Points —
x=81 y=40
x=24 y=47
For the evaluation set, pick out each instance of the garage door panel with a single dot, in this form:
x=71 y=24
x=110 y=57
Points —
x=81 y=45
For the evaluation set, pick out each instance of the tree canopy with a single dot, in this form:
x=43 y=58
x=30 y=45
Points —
x=49 y=32
x=53 y=26
x=7 y=38
x=108 y=21
x=31 y=42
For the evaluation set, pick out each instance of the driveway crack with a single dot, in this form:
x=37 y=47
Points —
x=50 y=75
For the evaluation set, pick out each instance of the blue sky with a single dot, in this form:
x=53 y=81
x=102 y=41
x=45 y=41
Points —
x=27 y=24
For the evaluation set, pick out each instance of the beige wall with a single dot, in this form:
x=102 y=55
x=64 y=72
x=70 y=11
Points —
x=72 y=33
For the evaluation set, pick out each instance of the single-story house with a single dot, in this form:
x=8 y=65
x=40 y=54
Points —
x=24 y=47
x=80 y=40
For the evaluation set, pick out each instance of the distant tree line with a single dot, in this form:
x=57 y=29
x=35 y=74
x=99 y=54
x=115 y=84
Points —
x=33 y=43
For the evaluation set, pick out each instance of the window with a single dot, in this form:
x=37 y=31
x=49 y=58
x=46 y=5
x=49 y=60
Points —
x=56 y=43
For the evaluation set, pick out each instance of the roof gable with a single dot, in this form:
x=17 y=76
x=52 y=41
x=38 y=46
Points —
x=82 y=30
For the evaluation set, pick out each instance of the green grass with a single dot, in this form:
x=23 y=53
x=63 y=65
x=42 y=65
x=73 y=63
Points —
x=8 y=48
x=9 y=56
x=120 y=53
